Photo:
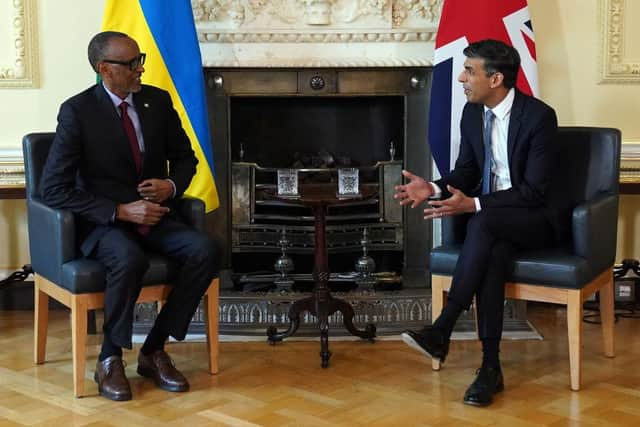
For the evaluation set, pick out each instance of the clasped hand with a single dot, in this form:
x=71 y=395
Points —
x=147 y=211
x=417 y=190
x=155 y=190
x=141 y=212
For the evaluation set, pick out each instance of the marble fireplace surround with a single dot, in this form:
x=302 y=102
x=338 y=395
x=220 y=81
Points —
x=316 y=33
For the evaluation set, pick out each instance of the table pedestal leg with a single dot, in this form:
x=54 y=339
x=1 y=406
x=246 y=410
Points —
x=321 y=304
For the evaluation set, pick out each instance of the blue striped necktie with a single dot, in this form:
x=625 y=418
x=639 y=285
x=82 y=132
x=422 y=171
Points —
x=486 y=172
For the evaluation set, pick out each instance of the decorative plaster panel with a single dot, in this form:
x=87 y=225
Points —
x=333 y=33
x=20 y=66
x=616 y=68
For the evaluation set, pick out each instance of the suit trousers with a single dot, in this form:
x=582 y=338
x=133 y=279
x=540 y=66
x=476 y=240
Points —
x=493 y=236
x=122 y=251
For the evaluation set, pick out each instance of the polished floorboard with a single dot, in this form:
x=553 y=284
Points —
x=379 y=384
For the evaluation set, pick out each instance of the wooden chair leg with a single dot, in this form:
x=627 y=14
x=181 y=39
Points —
x=211 y=315
x=607 y=318
x=79 y=342
x=437 y=303
x=40 y=323
x=574 y=330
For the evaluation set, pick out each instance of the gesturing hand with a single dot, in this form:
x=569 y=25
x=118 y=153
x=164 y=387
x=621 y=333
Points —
x=415 y=191
x=141 y=212
x=456 y=204
x=155 y=190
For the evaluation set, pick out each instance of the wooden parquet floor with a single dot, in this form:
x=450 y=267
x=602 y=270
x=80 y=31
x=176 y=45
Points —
x=381 y=384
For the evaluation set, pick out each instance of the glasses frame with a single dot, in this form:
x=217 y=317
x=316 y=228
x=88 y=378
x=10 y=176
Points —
x=132 y=64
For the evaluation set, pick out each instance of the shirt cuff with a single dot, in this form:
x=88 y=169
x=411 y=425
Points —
x=173 y=184
x=476 y=201
x=437 y=191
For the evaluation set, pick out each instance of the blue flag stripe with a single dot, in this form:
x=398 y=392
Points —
x=440 y=115
x=171 y=23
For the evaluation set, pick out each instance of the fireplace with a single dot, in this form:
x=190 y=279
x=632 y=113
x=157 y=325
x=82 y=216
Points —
x=372 y=119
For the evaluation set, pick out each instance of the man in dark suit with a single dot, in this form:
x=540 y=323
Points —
x=119 y=161
x=502 y=177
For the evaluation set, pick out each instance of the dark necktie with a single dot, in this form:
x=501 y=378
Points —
x=131 y=136
x=486 y=172
x=135 y=151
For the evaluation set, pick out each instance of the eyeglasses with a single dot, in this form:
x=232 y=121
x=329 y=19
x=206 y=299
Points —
x=132 y=64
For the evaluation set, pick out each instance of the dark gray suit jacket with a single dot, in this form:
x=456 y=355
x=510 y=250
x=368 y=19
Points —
x=536 y=175
x=90 y=168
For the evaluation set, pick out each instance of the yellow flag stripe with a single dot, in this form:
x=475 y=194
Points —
x=127 y=16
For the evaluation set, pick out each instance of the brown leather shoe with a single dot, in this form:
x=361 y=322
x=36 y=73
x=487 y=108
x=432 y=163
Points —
x=159 y=366
x=112 y=382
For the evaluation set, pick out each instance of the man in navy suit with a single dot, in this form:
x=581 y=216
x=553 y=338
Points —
x=120 y=160
x=503 y=179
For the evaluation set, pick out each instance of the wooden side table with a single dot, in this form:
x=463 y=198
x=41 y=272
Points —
x=321 y=303
x=629 y=176
x=15 y=191
x=12 y=191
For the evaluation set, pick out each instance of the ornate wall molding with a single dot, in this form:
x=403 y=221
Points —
x=615 y=67
x=20 y=68
x=315 y=37
x=258 y=33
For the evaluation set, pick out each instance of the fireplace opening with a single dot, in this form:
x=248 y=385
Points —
x=315 y=136
x=284 y=132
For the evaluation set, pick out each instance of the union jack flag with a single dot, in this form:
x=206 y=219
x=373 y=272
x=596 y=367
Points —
x=463 y=22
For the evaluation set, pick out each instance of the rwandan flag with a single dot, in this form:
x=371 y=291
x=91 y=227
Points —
x=165 y=30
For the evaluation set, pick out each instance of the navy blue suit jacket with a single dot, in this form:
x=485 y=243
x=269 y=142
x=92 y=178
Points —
x=90 y=167
x=533 y=161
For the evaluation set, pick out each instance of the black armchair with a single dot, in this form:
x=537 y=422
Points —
x=78 y=283
x=567 y=277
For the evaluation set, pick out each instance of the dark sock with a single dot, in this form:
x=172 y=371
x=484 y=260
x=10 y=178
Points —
x=490 y=350
x=109 y=349
x=448 y=318
x=155 y=341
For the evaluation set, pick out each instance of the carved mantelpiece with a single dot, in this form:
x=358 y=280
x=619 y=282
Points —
x=316 y=33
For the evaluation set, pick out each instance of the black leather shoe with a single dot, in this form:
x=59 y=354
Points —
x=112 y=382
x=159 y=366
x=488 y=382
x=429 y=341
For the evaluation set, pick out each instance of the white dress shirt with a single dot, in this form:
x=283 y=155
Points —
x=499 y=140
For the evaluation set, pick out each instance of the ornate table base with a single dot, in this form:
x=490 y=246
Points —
x=320 y=304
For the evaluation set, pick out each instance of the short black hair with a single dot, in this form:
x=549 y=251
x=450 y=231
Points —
x=498 y=57
x=98 y=46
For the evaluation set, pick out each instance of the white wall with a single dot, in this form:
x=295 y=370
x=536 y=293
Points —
x=64 y=29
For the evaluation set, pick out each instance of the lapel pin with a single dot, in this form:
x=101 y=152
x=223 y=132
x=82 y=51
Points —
x=146 y=105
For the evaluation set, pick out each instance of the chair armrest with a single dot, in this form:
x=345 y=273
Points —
x=192 y=211
x=595 y=225
x=52 y=240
